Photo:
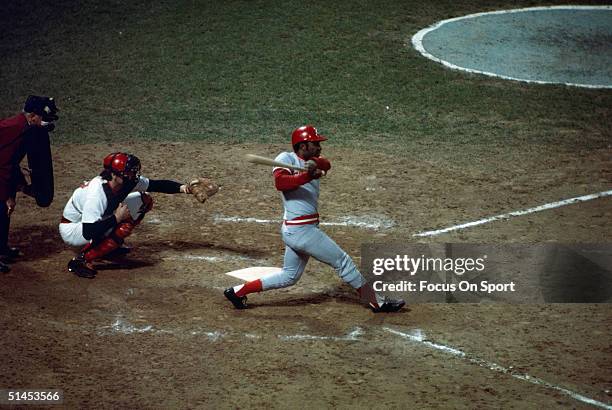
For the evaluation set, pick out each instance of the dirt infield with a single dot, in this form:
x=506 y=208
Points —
x=153 y=330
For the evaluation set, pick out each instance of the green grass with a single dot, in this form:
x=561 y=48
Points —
x=235 y=71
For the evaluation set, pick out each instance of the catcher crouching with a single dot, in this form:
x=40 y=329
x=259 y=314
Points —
x=102 y=212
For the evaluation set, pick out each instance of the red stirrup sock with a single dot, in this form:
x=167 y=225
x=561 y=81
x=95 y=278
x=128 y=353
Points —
x=249 y=287
x=367 y=295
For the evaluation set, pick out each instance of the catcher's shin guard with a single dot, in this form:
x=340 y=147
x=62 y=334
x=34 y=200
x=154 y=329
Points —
x=92 y=252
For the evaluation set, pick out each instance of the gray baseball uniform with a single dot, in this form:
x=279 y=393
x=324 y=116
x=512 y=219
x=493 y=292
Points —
x=303 y=238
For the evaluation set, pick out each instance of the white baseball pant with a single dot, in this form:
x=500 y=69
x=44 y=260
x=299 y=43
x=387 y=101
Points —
x=72 y=233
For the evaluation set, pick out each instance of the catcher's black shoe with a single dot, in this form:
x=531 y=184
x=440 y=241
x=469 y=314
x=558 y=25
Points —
x=389 y=305
x=81 y=268
x=237 y=301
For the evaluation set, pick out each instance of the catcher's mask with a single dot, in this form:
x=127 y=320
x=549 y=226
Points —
x=45 y=107
x=127 y=166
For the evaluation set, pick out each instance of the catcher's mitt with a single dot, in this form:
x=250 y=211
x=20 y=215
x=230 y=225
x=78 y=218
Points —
x=202 y=188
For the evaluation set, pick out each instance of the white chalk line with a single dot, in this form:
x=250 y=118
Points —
x=214 y=336
x=420 y=338
x=351 y=336
x=522 y=212
x=417 y=42
x=209 y=258
x=122 y=326
x=365 y=222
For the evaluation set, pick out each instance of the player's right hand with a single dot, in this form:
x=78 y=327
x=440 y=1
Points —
x=311 y=168
x=10 y=206
x=122 y=213
x=310 y=165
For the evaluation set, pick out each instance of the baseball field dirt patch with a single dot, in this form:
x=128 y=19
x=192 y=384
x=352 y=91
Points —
x=153 y=329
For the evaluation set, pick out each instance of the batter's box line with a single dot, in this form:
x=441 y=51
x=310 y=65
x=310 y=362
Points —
x=522 y=212
x=364 y=222
x=352 y=336
x=122 y=325
x=420 y=338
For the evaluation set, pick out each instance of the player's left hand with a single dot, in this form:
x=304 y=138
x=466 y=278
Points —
x=317 y=173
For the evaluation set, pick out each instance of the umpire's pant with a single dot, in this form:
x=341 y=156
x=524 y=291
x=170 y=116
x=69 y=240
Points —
x=5 y=221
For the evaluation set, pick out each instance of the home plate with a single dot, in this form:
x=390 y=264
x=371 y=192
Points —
x=256 y=272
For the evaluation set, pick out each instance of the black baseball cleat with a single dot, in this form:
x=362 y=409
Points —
x=4 y=268
x=389 y=305
x=8 y=254
x=237 y=301
x=81 y=268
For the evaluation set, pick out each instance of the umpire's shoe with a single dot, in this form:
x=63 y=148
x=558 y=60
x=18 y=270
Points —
x=389 y=305
x=81 y=268
x=239 y=302
x=8 y=255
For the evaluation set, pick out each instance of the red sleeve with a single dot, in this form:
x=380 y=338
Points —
x=322 y=163
x=11 y=128
x=284 y=181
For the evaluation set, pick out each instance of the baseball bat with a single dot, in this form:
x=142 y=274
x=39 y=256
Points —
x=256 y=159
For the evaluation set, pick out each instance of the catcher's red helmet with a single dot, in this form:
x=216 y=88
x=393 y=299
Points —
x=123 y=164
x=306 y=133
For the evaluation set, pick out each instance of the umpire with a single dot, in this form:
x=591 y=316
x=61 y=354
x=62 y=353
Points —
x=26 y=133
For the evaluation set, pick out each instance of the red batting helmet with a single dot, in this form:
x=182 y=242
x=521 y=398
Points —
x=123 y=164
x=306 y=133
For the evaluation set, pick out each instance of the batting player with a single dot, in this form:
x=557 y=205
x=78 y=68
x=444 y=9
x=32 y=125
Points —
x=300 y=230
x=26 y=133
x=102 y=212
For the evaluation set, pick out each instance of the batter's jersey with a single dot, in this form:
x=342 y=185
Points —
x=89 y=203
x=304 y=200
